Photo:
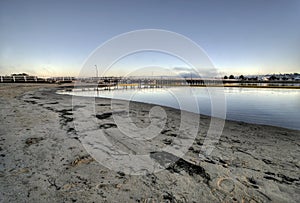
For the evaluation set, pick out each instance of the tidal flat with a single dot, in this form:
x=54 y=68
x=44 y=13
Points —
x=42 y=157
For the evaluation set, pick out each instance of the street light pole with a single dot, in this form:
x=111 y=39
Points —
x=96 y=71
x=97 y=76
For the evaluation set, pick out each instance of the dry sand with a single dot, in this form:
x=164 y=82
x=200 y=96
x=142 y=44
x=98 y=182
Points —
x=43 y=159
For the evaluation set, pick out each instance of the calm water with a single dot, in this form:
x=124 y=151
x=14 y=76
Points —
x=277 y=107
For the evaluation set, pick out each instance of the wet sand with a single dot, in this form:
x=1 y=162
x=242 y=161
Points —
x=42 y=158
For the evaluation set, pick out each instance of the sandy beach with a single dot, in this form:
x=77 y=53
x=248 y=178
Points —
x=43 y=158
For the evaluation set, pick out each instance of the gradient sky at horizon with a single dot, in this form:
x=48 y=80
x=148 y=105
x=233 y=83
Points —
x=54 y=38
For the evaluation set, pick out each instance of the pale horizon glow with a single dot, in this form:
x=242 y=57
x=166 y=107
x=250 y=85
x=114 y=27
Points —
x=54 y=38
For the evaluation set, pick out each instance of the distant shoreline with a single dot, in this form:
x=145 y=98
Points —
x=73 y=84
x=248 y=86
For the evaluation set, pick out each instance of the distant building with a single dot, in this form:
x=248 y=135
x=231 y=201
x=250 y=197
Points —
x=265 y=78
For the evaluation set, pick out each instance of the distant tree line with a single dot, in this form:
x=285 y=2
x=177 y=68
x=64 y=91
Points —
x=19 y=74
x=241 y=77
x=268 y=77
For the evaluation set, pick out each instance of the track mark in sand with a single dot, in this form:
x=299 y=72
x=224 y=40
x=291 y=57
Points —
x=252 y=182
x=107 y=125
x=52 y=183
x=30 y=101
x=281 y=178
x=82 y=160
x=226 y=184
x=167 y=141
x=169 y=133
x=76 y=107
x=33 y=140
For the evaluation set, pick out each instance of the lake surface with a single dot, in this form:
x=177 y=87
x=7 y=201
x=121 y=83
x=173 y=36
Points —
x=277 y=107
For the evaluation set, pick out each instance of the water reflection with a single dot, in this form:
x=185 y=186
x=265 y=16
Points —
x=277 y=107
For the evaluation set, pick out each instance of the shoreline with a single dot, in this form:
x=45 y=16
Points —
x=266 y=122
x=42 y=153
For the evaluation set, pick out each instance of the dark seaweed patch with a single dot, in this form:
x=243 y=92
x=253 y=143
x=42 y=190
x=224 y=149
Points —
x=34 y=97
x=65 y=112
x=103 y=104
x=178 y=164
x=53 y=102
x=104 y=115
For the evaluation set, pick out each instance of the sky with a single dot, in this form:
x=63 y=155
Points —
x=55 y=38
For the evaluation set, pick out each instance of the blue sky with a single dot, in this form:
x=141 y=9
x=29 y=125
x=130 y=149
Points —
x=52 y=38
